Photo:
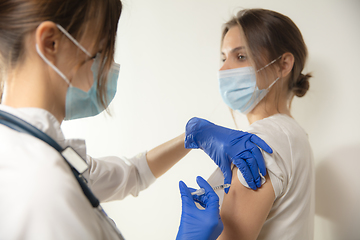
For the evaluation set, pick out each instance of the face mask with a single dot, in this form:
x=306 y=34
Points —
x=80 y=104
x=238 y=88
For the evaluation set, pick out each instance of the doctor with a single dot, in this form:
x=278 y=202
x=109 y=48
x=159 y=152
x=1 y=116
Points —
x=56 y=62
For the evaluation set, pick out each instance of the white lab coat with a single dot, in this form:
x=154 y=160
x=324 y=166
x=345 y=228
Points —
x=39 y=196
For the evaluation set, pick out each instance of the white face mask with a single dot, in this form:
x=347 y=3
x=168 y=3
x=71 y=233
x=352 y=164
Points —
x=80 y=104
x=238 y=88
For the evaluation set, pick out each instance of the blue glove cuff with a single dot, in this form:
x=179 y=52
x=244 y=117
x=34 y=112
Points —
x=189 y=142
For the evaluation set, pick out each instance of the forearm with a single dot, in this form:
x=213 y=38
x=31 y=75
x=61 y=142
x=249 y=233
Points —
x=114 y=178
x=163 y=157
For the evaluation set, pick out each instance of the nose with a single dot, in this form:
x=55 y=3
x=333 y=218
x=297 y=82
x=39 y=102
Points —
x=225 y=66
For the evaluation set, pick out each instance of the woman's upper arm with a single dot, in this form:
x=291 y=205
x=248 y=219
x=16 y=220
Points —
x=244 y=210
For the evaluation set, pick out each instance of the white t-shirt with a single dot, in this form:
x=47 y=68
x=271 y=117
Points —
x=291 y=171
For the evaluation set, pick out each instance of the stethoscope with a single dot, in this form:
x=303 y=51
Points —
x=76 y=163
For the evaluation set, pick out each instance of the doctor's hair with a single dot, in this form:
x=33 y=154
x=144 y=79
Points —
x=18 y=18
x=268 y=35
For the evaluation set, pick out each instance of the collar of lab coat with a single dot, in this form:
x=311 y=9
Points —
x=46 y=122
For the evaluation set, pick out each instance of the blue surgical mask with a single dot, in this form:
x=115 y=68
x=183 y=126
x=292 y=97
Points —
x=238 y=88
x=81 y=104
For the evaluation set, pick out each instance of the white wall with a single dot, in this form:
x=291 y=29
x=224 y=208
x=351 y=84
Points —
x=169 y=55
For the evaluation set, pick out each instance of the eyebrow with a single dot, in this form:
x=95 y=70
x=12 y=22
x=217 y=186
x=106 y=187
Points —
x=235 y=49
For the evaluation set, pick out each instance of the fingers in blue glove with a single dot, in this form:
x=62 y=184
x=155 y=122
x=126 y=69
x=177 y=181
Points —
x=192 y=189
x=251 y=161
x=208 y=200
x=245 y=171
x=186 y=196
x=261 y=143
x=195 y=223
x=212 y=199
x=197 y=198
x=200 y=199
x=226 y=170
x=260 y=161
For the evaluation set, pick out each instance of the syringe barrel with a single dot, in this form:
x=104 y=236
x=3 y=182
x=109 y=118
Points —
x=198 y=192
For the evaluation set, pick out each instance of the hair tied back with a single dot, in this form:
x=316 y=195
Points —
x=302 y=85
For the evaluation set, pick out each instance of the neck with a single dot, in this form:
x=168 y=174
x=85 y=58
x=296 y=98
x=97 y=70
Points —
x=30 y=87
x=265 y=109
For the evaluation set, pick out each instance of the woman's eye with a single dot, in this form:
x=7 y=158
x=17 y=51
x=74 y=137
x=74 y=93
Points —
x=241 y=57
x=223 y=59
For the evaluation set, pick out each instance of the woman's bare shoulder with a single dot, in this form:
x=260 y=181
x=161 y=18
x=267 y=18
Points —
x=244 y=210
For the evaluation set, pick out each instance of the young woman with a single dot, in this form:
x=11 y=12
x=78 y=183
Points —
x=56 y=62
x=263 y=58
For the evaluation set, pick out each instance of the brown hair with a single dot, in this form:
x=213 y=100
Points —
x=268 y=35
x=21 y=17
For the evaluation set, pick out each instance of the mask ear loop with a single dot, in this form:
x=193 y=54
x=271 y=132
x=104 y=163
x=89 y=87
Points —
x=273 y=83
x=269 y=64
x=67 y=34
x=73 y=40
x=52 y=65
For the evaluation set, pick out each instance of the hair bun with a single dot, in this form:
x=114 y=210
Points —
x=302 y=85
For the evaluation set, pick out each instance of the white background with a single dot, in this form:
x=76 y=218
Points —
x=169 y=56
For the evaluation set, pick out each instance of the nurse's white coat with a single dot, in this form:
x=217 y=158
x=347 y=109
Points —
x=39 y=196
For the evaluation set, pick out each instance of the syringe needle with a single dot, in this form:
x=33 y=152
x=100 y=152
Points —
x=222 y=186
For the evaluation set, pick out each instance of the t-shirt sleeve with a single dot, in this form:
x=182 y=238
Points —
x=277 y=163
x=275 y=174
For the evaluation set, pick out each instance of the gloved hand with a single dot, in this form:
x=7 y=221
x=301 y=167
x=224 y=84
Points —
x=199 y=224
x=225 y=146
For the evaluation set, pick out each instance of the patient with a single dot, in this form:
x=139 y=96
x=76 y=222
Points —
x=263 y=58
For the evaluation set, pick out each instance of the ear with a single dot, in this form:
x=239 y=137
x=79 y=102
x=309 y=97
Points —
x=286 y=64
x=47 y=37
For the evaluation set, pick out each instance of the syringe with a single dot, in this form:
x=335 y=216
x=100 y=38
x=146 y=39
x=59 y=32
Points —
x=201 y=191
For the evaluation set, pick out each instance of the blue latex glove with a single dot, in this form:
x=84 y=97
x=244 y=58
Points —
x=199 y=224
x=225 y=146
